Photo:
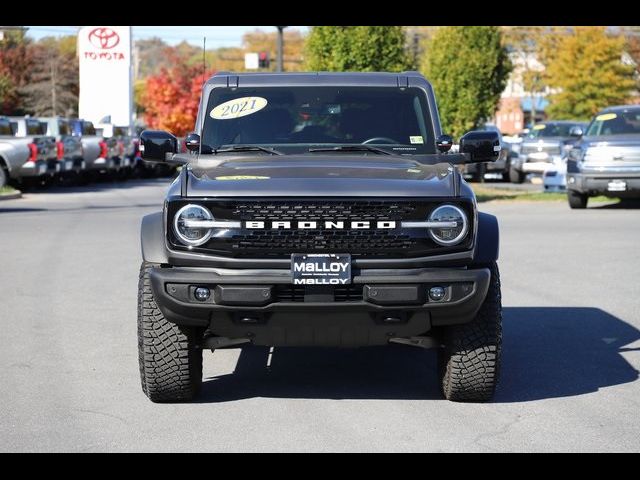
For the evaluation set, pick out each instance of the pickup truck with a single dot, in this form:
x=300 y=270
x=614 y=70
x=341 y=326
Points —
x=606 y=159
x=27 y=156
x=68 y=147
x=546 y=144
x=127 y=150
x=100 y=155
x=319 y=209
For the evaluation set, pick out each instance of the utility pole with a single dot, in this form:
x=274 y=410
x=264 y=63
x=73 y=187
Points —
x=54 y=100
x=280 y=62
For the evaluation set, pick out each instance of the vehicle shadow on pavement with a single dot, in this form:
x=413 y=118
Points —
x=548 y=352
x=623 y=204
x=551 y=352
x=394 y=372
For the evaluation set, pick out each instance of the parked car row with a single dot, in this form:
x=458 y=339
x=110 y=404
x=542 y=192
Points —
x=38 y=151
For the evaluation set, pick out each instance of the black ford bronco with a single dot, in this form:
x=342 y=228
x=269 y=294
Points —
x=319 y=209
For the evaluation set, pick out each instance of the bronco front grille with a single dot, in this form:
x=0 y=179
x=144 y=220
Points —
x=336 y=241
x=281 y=243
x=274 y=211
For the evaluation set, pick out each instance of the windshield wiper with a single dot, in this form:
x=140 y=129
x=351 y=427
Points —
x=247 y=148
x=350 y=148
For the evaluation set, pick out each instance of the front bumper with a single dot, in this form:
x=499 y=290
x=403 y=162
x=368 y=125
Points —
x=102 y=164
x=68 y=165
x=249 y=304
x=40 y=168
x=606 y=183
x=537 y=165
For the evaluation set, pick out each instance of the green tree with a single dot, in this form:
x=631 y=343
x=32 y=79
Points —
x=15 y=67
x=53 y=85
x=361 y=48
x=469 y=68
x=586 y=70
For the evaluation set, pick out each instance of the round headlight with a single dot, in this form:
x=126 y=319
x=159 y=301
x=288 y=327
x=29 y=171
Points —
x=192 y=236
x=448 y=235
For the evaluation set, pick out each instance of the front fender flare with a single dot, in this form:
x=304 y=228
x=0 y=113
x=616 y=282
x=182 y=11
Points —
x=488 y=240
x=152 y=239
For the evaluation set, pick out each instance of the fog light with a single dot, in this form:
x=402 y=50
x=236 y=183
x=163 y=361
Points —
x=202 y=294
x=436 y=293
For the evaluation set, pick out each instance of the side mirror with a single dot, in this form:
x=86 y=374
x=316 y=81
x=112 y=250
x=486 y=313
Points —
x=444 y=143
x=192 y=142
x=576 y=131
x=155 y=145
x=481 y=145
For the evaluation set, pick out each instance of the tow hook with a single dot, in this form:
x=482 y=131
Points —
x=223 y=342
x=421 y=342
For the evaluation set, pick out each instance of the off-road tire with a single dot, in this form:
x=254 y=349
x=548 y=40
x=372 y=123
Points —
x=170 y=355
x=470 y=358
x=577 y=200
x=516 y=176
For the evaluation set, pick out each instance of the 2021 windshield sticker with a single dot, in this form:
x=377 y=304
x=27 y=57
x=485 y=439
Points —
x=238 y=107
x=606 y=116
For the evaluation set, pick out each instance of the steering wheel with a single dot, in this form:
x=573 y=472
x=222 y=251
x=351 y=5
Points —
x=380 y=140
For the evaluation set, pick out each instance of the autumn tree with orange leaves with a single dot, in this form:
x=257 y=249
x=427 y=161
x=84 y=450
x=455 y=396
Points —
x=171 y=97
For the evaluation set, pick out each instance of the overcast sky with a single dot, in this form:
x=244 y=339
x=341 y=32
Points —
x=224 y=36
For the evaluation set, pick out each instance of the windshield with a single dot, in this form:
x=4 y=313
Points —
x=618 y=123
x=64 y=128
x=551 y=130
x=294 y=119
x=34 y=127
x=5 y=127
x=88 y=128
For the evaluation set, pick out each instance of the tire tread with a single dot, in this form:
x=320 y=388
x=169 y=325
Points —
x=471 y=358
x=170 y=359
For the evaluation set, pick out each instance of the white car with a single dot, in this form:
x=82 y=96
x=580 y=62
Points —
x=554 y=177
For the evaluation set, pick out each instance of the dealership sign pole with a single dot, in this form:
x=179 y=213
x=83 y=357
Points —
x=105 y=74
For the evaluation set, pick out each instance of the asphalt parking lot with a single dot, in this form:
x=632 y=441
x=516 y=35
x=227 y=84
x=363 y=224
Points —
x=69 y=368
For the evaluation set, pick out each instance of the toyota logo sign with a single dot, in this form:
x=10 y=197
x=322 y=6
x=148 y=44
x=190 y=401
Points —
x=104 y=38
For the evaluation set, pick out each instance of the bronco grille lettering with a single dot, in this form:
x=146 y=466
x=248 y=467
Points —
x=326 y=225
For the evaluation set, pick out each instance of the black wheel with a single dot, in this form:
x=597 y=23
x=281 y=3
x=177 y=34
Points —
x=4 y=178
x=577 y=200
x=505 y=172
x=470 y=359
x=516 y=176
x=170 y=355
x=478 y=174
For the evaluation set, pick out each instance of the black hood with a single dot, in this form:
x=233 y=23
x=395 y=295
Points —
x=331 y=175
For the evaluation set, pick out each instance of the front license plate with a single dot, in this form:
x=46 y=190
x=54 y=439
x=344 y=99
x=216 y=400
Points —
x=321 y=268
x=617 y=186
x=68 y=165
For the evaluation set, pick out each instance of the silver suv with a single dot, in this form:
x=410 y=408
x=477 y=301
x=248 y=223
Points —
x=606 y=160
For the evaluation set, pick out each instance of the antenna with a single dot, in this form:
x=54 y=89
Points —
x=204 y=59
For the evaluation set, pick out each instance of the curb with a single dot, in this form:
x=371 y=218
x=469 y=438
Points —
x=11 y=196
